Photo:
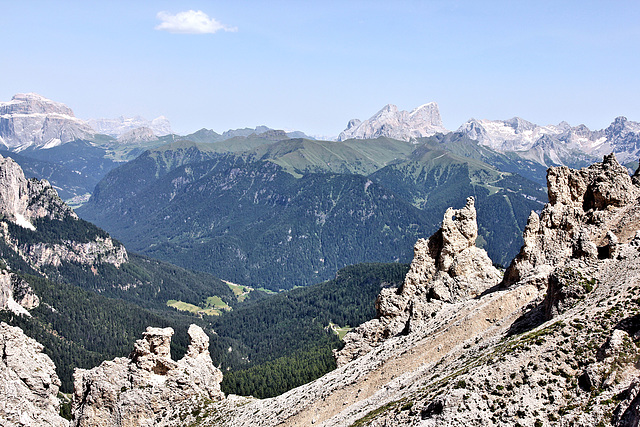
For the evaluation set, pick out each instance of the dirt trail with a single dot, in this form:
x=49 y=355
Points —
x=468 y=323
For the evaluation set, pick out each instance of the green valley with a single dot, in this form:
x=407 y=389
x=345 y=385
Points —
x=291 y=213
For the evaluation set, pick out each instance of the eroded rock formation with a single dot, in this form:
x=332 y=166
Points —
x=148 y=387
x=446 y=269
x=28 y=382
x=589 y=212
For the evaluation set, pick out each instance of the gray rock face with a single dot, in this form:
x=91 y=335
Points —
x=121 y=125
x=585 y=216
x=148 y=388
x=403 y=125
x=447 y=268
x=16 y=295
x=33 y=120
x=28 y=382
x=141 y=134
x=22 y=201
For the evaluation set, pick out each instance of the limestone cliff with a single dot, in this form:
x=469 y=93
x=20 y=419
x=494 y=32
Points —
x=31 y=120
x=28 y=382
x=589 y=211
x=16 y=295
x=148 y=388
x=23 y=201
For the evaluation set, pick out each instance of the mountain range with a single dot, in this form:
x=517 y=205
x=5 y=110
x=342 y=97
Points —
x=452 y=339
x=30 y=123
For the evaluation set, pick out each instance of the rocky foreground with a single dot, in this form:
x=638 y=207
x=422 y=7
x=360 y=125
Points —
x=553 y=341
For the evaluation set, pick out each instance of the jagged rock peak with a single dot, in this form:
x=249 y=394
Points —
x=587 y=210
x=449 y=266
x=446 y=269
x=28 y=382
x=33 y=120
x=390 y=122
x=148 y=388
x=141 y=134
x=121 y=125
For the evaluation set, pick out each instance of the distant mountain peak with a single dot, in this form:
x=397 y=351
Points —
x=30 y=119
x=141 y=134
x=121 y=125
x=403 y=125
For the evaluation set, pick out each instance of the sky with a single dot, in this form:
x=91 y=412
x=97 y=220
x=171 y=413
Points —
x=314 y=65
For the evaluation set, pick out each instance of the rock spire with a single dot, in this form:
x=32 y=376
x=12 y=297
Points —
x=446 y=269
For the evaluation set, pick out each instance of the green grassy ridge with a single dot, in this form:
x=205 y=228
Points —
x=196 y=213
x=300 y=156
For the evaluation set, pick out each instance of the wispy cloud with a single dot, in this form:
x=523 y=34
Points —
x=190 y=22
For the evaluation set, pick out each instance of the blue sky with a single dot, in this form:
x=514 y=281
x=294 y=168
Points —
x=313 y=65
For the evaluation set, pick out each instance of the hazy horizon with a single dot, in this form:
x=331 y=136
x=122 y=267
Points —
x=312 y=66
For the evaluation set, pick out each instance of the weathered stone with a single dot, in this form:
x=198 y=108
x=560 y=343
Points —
x=28 y=382
x=587 y=210
x=148 y=387
x=16 y=295
x=24 y=200
x=446 y=268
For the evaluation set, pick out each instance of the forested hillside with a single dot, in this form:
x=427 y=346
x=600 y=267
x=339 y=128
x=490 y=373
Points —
x=293 y=212
x=286 y=340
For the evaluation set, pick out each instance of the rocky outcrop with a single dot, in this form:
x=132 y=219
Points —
x=33 y=120
x=446 y=269
x=147 y=388
x=16 y=295
x=28 y=382
x=589 y=212
x=102 y=249
x=22 y=201
x=392 y=123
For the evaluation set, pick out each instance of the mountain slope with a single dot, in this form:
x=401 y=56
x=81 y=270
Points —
x=255 y=224
x=433 y=180
x=249 y=217
x=75 y=289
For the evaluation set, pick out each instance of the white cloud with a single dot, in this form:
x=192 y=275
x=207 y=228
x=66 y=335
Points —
x=190 y=22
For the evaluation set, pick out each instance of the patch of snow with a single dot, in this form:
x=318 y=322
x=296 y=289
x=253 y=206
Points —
x=16 y=308
x=53 y=142
x=23 y=222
